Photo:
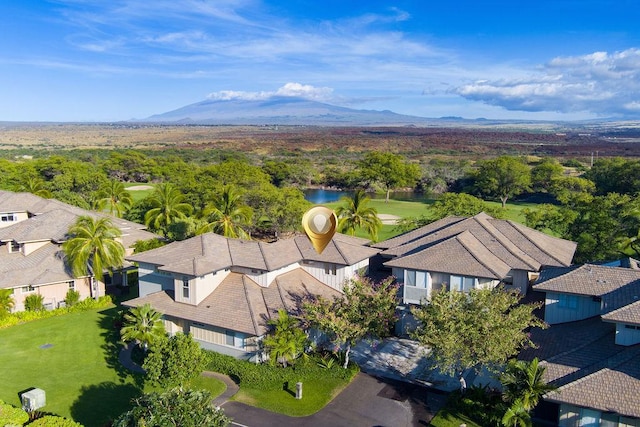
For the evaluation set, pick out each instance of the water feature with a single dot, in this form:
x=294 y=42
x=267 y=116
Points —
x=321 y=195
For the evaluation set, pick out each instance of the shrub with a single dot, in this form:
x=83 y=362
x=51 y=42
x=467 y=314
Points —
x=12 y=416
x=28 y=316
x=54 y=421
x=267 y=377
x=34 y=302
x=72 y=297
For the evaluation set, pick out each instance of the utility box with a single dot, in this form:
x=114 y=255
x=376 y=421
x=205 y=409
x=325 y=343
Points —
x=33 y=399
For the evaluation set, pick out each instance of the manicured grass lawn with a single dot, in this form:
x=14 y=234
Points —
x=315 y=395
x=445 y=418
x=137 y=195
x=79 y=372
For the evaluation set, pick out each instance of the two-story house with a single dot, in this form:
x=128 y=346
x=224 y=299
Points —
x=460 y=253
x=32 y=230
x=223 y=291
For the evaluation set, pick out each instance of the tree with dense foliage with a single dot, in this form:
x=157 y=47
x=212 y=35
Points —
x=484 y=327
x=550 y=218
x=390 y=170
x=545 y=173
x=114 y=197
x=355 y=213
x=93 y=246
x=460 y=204
x=72 y=297
x=572 y=190
x=175 y=407
x=53 y=421
x=227 y=215
x=367 y=309
x=286 y=340
x=615 y=175
x=6 y=302
x=147 y=245
x=523 y=382
x=174 y=361
x=503 y=177
x=144 y=325
x=167 y=206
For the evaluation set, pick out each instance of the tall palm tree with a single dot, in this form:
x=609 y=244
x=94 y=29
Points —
x=143 y=325
x=168 y=206
x=523 y=381
x=93 y=246
x=6 y=301
x=227 y=215
x=356 y=213
x=114 y=197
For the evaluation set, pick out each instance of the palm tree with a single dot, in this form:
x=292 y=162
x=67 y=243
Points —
x=36 y=185
x=6 y=301
x=516 y=416
x=355 y=213
x=93 y=246
x=286 y=340
x=114 y=196
x=168 y=206
x=227 y=215
x=523 y=381
x=143 y=325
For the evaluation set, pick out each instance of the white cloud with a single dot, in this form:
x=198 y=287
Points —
x=607 y=84
x=294 y=90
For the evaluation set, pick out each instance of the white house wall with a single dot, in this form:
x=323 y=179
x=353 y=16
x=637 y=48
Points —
x=627 y=334
x=30 y=247
x=554 y=313
x=318 y=270
x=201 y=287
x=17 y=217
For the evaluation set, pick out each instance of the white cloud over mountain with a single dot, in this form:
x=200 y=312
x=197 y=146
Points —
x=601 y=83
x=294 y=90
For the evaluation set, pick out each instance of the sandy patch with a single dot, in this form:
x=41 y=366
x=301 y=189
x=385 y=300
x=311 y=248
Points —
x=140 y=187
x=389 y=219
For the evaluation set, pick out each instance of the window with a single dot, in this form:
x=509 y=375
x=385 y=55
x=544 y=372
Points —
x=330 y=269
x=234 y=339
x=462 y=283
x=72 y=285
x=27 y=289
x=15 y=246
x=632 y=327
x=185 y=288
x=567 y=301
x=7 y=218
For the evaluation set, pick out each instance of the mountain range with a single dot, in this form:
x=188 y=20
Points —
x=280 y=110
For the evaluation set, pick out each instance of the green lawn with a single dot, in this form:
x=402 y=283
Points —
x=445 y=418
x=79 y=372
x=315 y=396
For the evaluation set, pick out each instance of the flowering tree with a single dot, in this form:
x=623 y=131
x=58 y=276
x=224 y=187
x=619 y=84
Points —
x=367 y=309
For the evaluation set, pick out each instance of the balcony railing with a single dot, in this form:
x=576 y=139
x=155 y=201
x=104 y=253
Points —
x=414 y=295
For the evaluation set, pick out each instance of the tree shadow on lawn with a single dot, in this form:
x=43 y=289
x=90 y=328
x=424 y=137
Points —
x=110 y=323
x=98 y=405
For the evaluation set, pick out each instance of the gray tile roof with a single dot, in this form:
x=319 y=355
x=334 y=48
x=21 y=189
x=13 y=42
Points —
x=240 y=304
x=617 y=286
x=43 y=266
x=52 y=225
x=462 y=254
x=582 y=359
x=515 y=245
x=210 y=252
x=629 y=314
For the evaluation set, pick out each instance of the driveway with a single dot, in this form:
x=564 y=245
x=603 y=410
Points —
x=367 y=401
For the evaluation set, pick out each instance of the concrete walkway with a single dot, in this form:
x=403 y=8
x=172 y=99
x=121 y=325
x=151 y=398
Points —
x=126 y=361
x=232 y=387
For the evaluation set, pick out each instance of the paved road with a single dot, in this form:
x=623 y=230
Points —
x=366 y=402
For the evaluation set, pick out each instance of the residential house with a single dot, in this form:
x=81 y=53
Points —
x=460 y=253
x=592 y=348
x=32 y=230
x=224 y=291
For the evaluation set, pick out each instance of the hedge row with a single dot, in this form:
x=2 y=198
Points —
x=28 y=316
x=10 y=416
x=266 y=377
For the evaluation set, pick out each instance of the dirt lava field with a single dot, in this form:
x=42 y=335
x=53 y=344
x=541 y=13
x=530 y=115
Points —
x=279 y=140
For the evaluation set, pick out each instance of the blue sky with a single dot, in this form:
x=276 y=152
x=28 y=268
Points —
x=84 y=60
